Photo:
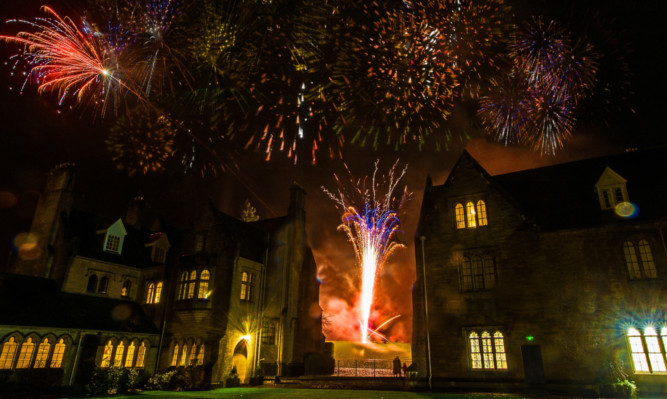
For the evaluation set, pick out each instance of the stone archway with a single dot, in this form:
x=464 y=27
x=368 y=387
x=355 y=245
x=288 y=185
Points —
x=240 y=359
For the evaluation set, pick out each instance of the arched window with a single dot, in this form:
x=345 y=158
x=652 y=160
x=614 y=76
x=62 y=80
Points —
x=125 y=290
x=193 y=355
x=25 y=355
x=120 y=350
x=655 y=355
x=141 y=355
x=481 y=213
x=184 y=356
x=631 y=260
x=42 y=354
x=460 y=217
x=106 y=355
x=150 y=296
x=466 y=274
x=158 y=292
x=499 y=348
x=92 y=283
x=646 y=256
x=104 y=285
x=637 y=348
x=7 y=354
x=470 y=213
x=204 y=277
x=182 y=286
x=487 y=350
x=477 y=273
x=129 y=358
x=191 y=284
x=174 y=356
x=59 y=353
x=200 y=355
x=475 y=351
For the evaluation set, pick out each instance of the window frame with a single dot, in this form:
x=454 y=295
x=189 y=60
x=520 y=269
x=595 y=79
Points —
x=470 y=213
x=483 y=359
x=639 y=259
x=477 y=272
x=638 y=341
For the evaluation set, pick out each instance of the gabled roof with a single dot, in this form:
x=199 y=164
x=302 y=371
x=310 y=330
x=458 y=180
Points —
x=37 y=302
x=88 y=229
x=563 y=196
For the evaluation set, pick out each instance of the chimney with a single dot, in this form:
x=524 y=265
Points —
x=297 y=202
x=135 y=212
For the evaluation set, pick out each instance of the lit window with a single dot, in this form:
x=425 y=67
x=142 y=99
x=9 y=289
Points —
x=470 y=213
x=120 y=350
x=247 y=286
x=182 y=287
x=193 y=355
x=42 y=354
x=481 y=213
x=92 y=283
x=475 y=351
x=125 y=290
x=106 y=356
x=655 y=356
x=104 y=285
x=25 y=355
x=184 y=356
x=636 y=269
x=112 y=244
x=174 y=356
x=200 y=355
x=191 y=284
x=466 y=275
x=203 y=284
x=646 y=256
x=150 y=296
x=158 y=292
x=130 y=355
x=499 y=347
x=7 y=355
x=486 y=351
x=637 y=349
x=460 y=217
x=141 y=355
x=59 y=353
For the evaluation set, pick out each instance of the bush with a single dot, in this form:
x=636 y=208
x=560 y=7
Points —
x=160 y=381
x=174 y=379
x=619 y=389
x=113 y=380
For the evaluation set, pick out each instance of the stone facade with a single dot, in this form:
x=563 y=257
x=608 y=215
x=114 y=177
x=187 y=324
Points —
x=553 y=280
x=228 y=295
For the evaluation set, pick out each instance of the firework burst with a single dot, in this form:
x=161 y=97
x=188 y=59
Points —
x=71 y=60
x=372 y=229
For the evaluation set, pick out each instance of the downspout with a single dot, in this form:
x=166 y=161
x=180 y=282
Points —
x=662 y=238
x=260 y=305
x=159 y=345
x=428 y=335
x=76 y=359
x=168 y=298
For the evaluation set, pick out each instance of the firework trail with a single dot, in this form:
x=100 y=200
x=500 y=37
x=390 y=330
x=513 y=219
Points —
x=371 y=228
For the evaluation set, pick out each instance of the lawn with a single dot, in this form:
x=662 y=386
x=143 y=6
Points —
x=285 y=393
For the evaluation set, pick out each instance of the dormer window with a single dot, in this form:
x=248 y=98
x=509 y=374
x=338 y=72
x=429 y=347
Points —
x=611 y=189
x=113 y=240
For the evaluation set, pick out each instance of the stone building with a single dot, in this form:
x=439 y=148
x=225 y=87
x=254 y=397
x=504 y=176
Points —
x=86 y=291
x=552 y=277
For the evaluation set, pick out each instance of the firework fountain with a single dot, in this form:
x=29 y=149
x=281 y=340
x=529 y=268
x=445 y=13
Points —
x=371 y=228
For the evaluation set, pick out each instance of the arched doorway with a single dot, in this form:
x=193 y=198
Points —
x=240 y=359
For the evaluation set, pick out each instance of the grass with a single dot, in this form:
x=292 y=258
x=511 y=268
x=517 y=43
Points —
x=285 y=393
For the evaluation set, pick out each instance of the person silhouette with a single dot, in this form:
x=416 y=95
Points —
x=397 y=366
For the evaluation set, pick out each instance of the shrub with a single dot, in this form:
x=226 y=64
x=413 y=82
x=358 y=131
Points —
x=113 y=380
x=619 y=389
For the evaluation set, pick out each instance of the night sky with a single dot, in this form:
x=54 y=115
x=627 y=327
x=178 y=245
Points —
x=35 y=135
